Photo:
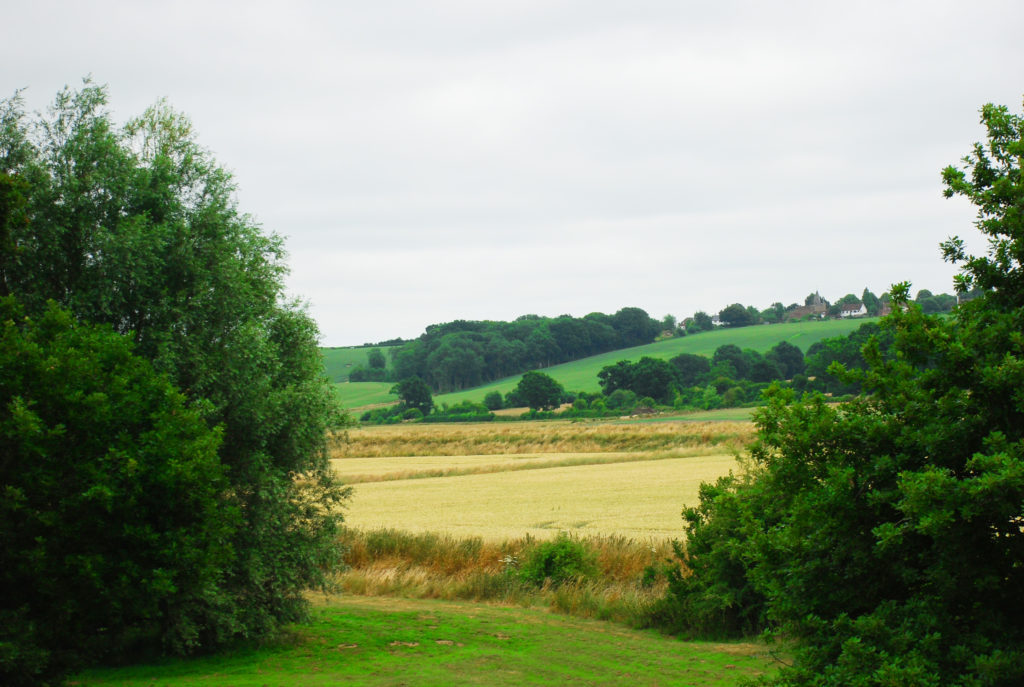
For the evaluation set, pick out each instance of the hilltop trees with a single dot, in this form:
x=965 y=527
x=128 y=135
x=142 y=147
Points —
x=461 y=354
x=135 y=228
x=885 y=534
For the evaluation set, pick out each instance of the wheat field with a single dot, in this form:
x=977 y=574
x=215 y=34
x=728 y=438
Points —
x=504 y=481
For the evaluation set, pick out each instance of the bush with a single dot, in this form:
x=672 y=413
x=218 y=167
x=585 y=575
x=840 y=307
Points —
x=556 y=562
x=493 y=400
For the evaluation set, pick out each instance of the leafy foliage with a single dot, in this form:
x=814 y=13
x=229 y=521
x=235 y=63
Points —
x=558 y=561
x=136 y=227
x=414 y=393
x=885 y=534
x=116 y=515
x=463 y=354
x=539 y=391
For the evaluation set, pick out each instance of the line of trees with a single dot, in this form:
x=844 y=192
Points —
x=463 y=354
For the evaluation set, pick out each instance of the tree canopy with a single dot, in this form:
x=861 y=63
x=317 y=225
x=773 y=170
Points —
x=135 y=227
x=884 y=535
x=539 y=391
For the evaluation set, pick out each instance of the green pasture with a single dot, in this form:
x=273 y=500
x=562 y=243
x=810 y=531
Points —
x=362 y=394
x=338 y=362
x=581 y=375
x=390 y=641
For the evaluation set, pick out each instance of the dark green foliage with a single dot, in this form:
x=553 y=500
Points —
x=136 y=228
x=116 y=514
x=736 y=315
x=493 y=400
x=884 y=535
x=732 y=355
x=691 y=369
x=651 y=377
x=788 y=357
x=701 y=322
x=414 y=393
x=462 y=354
x=376 y=360
x=846 y=351
x=539 y=391
x=558 y=561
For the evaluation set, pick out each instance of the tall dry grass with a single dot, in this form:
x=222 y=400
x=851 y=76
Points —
x=389 y=562
x=538 y=437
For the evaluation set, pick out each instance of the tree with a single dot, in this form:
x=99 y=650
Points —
x=731 y=353
x=375 y=359
x=691 y=369
x=871 y=302
x=736 y=315
x=414 y=393
x=788 y=357
x=635 y=327
x=540 y=391
x=116 y=517
x=885 y=534
x=493 y=400
x=701 y=322
x=136 y=227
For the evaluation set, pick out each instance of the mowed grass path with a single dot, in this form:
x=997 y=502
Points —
x=389 y=641
x=501 y=481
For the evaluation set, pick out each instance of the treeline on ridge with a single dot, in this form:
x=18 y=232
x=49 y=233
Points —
x=463 y=354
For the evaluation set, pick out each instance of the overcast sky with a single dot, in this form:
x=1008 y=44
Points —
x=431 y=161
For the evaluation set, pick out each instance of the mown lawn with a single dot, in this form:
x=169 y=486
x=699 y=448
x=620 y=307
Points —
x=389 y=641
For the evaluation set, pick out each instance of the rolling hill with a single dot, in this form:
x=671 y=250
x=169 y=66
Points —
x=581 y=375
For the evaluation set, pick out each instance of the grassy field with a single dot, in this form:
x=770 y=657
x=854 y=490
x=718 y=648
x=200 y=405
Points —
x=581 y=375
x=501 y=481
x=338 y=362
x=364 y=394
x=388 y=641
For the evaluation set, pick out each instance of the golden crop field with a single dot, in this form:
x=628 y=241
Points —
x=497 y=482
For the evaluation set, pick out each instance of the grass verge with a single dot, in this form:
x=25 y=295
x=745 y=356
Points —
x=372 y=641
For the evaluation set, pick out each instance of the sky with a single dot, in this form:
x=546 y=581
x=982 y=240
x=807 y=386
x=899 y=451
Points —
x=432 y=161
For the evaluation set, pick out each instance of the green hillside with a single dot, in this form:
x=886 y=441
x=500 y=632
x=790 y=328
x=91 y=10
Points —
x=338 y=362
x=581 y=375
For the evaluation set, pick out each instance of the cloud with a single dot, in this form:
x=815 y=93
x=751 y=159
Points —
x=442 y=160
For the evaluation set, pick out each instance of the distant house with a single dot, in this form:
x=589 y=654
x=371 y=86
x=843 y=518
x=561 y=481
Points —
x=717 y=321
x=853 y=310
x=816 y=308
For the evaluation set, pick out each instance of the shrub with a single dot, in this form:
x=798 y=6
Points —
x=556 y=562
x=493 y=400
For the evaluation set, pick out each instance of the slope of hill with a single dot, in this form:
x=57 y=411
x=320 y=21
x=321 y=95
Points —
x=581 y=375
x=339 y=362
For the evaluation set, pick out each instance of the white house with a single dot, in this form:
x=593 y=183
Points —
x=853 y=310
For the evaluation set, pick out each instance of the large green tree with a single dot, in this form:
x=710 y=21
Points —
x=539 y=391
x=884 y=535
x=116 y=514
x=136 y=227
